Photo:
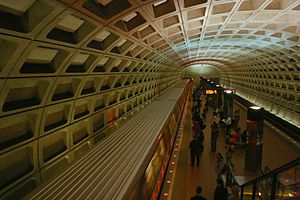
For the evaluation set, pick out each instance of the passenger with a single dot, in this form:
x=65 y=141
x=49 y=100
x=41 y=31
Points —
x=230 y=151
x=227 y=122
x=216 y=118
x=233 y=137
x=244 y=137
x=202 y=125
x=221 y=113
x=196 y=128
x=231 y=145
x=217 y=110
x=219 y=164
x=204 y=108
x=200 y=137
x=196 y=149
x=236 y=119
x=214 y=136
x=239 y=135
x=234 y=192
x=196 y=116
x=198 y=196
x=221 y=192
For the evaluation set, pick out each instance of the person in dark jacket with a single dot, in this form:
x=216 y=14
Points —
x=196 y=148
x=214 y=136
x=221 y=192
x=198 y=196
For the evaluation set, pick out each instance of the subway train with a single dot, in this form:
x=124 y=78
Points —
x=129 y=163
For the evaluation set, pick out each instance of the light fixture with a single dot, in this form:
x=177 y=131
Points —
x=159 y=2
x=129 y=17
x=255 y=107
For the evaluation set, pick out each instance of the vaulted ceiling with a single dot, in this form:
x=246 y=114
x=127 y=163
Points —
x=70 y=68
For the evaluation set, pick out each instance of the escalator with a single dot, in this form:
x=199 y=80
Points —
x=278 y=184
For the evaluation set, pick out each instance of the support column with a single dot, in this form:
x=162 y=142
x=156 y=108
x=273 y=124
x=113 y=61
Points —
x=228 y=103
x=254 y=143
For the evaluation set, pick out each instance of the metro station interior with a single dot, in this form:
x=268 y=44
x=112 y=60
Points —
x=73 y=72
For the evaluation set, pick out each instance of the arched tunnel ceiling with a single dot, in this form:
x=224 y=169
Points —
x=78 y=47
x=85 y=45
x=185 y=30
x=70 y=68
x=201 y=70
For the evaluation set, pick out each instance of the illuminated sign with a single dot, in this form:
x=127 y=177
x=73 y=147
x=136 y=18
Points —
x=210 y=91
x=229 y=91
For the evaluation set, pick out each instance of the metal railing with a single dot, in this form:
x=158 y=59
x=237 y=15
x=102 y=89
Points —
x=280 y=183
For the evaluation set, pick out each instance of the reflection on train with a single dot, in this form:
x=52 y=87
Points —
x=150 y=184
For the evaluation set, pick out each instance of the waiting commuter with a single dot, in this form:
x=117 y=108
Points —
x=204 y=112
x=231 y=145
x=196 y=128
x=236 y=119
x=244 y=137
x=227 y=122
x=216 y=118
x=233 y=137
x=214 y=136
x=219 y=166
x=196 y=149
x=198 y=196
x=221 y=192
x=196 y=116
x=200 y=137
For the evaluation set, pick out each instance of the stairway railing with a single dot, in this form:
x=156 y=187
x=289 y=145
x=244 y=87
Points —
x=280 y=183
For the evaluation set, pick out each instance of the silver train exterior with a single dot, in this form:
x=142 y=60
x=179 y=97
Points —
x=128 y=164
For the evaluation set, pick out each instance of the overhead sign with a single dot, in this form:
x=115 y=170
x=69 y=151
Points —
x=210 y=91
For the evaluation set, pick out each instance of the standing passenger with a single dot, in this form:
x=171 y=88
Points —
x=196 y=148
x=214 y=136
x=221 y=192
x=227 y=122
x=196 y=128
x=198 y=195
x=236 y=117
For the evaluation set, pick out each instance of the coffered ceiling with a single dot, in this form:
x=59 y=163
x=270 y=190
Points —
x=188 y=30
x=72 y=69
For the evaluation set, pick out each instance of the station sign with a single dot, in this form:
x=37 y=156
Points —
x=210 y=91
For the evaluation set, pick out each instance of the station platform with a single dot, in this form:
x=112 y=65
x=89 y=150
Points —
x=187 y=177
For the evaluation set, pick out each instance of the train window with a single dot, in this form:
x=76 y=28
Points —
x=145 y=186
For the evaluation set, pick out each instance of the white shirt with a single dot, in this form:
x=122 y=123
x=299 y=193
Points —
x=227 y=121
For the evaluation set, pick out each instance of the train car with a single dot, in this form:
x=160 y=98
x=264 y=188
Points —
x=128 y=164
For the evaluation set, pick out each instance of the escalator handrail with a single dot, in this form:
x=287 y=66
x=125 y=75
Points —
x=282 y=168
